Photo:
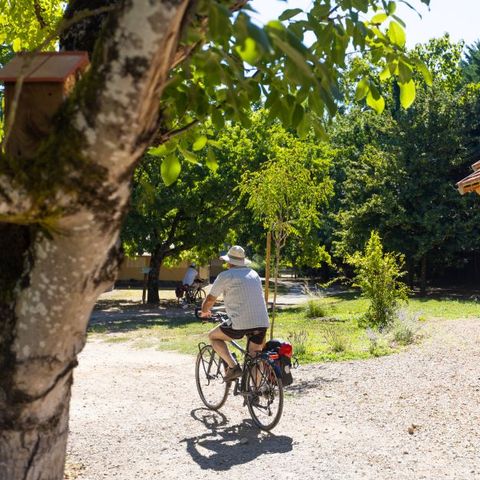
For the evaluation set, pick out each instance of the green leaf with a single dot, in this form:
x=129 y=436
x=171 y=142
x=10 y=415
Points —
x=363 y=88
x=303 y=128
x=189 y=156
x=297 y=115
x=199 y=143
x=427 y=76
x=407 y=93
x=404 y=72
x=385 y=74
x=211 y=161
x=17 y=45
x=379 y=18
x=294 y=55
x=217 y=119
x=248 y=51
x=170 y=169
x=396 y=34
x=392 y=6
x=159 y=151
x=289 y=13
x=276 y=25
x=375 y=101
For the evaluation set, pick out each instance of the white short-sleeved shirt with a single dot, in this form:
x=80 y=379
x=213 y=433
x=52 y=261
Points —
x=241 y=288
x=190 y=275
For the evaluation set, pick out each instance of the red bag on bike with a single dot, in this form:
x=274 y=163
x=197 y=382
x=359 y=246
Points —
x=283 y=365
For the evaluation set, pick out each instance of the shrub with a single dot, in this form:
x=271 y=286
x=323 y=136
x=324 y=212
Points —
x=299 y=342
x=336 y=340
x=315 y=309
x=377 y=275
x=377 y=343
x=404 y=329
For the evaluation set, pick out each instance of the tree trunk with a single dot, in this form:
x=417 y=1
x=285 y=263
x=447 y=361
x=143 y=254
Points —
x=49 y=286
x=156 y=261
x=275 y=288
x=69 y=203
x=410 y=272
x=476 y=266
x=423 y=276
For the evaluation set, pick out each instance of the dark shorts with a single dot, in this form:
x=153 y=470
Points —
x=257 y=335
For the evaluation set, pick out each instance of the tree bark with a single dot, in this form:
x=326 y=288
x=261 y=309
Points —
x=423 y=276
x=156 y=261
x=476 y=266
x=61 y=215
x=410 y=272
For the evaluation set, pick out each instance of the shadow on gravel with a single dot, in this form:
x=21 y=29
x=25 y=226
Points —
x=303 y=386
x=225 y=446
x=111 y=322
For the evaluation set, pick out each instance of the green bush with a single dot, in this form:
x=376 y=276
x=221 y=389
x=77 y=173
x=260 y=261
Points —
x=336 y=340
x=298 y=341
x=377 y=275
x=315 y=309
x=404 y=329
x=377 y=343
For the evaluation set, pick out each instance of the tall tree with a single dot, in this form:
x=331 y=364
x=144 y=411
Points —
x=158 y=68
x=400 y=170
x=285 y=194
x=471 y=63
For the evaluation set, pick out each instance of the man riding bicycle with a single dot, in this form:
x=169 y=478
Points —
x=241 y=288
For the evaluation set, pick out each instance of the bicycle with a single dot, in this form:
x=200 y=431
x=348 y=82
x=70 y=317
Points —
x=195 y=294
x=259 y=384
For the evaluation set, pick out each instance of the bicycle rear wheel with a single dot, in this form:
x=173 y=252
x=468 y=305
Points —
x=209 y=372
x=200 y=295
x=265 y=394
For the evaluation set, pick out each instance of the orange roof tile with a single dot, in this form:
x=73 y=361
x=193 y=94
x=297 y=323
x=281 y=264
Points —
x=470 y=183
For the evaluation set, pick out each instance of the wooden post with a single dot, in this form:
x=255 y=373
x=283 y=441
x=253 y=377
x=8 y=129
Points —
x=267 y=266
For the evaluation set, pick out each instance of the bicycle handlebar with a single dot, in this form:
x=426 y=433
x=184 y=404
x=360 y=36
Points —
x=216 y=317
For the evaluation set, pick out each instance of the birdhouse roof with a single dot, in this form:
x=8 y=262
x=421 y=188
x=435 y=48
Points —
x=43 y=67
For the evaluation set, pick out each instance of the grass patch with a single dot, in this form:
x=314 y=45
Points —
x=315 y=309
x=314 y=339
x=116 y=339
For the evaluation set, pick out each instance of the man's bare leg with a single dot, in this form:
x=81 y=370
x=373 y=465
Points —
x=217 y=339
x=254 y=349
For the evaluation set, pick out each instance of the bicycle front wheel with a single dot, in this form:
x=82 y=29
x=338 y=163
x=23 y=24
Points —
x=265 y=394
x=209 y=372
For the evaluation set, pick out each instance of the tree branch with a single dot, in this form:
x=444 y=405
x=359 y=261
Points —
x=38 y=13
x=185 y=51
x=165 y=137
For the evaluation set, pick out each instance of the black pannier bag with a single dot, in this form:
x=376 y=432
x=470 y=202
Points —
x=283 y=364
x=179 y=291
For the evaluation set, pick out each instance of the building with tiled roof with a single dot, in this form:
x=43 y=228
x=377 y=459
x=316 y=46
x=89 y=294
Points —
x=472 y=182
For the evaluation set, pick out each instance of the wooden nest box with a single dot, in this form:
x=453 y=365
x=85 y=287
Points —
x=45 y=80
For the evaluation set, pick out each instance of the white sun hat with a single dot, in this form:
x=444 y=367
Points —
x=236 y=256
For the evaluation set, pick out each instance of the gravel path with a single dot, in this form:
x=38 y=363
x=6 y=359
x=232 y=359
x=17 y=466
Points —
x=135 y=414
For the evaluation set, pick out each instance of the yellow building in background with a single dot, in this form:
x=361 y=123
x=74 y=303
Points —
x=134 y=268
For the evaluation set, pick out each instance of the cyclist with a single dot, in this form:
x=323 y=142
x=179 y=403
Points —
x=241 y=288
x=190 y=275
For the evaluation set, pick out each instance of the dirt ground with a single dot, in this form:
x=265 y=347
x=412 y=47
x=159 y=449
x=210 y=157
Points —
x=135 y=414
